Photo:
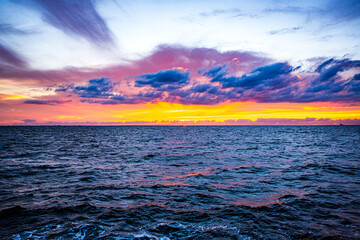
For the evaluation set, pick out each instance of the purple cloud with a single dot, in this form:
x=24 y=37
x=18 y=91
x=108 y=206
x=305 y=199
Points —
x=9 y=57
x=269 y=83
x=29 y=120
x=77 y=17
x=276 y=82
x=164 y=57
x=47 y=102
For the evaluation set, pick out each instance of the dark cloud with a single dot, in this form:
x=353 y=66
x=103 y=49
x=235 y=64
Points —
x=269 y=75
x=330 y=68
x=96 y=88
x=324 y=64
x=29 y=120
x=216 y=72
x=137 y=98
x=216 y=77
x=330 y=86
x=327 y=74
x=357 y=77
x=65 y=88
x=46 y=102
x=202 y=94
x=102 y=91
x=201 y=88
x=77 y=17
x=277 y=82
x=171 y=78
x=9 y=57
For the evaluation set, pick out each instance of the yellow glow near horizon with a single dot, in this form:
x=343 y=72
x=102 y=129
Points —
x=14 y=97
x=167 y=113
x=163 y=111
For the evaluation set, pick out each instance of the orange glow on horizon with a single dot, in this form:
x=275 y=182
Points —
x=168 y=113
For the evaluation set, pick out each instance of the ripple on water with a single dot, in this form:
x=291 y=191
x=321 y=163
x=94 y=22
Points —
x=152 y=182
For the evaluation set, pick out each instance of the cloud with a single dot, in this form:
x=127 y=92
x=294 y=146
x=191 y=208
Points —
x=47 y=102
x=78 y=18
x=10 y=30
x=101 y=91
x=330 y=86
x=234 y=12
x=167 y=57
x=96 y=88
x=330 y=68
x=357 y=77
x=324 y=64
x=138 y=98
x=277 y=82
x=285 y=30
x=342 y=10
x=29 y=120
x=163 y=57
x=203 y=76
x=201 y=94
x=288 y=10
x=269 y=75
x=171 y=78
x=332 y=12
x=215 y=72
x=9 y=57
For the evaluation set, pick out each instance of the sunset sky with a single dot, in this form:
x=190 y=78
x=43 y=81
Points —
x=108 y=62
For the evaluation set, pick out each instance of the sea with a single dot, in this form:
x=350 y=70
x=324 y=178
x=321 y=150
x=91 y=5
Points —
x=180 y=182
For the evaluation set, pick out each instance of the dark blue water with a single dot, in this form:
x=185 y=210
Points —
x=288 y=182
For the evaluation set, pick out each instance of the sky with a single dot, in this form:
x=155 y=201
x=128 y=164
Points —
x=119 y=62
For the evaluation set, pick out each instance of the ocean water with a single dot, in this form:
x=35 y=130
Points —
x=156 y=182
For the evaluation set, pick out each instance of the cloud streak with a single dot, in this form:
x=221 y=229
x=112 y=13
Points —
x=285 y=30
x=164 y=57
x=78 y=18
x=10 y=30
x=47 y=102
x=9 y=57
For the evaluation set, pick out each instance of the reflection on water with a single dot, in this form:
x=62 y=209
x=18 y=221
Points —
x=295 y=182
